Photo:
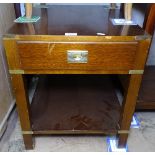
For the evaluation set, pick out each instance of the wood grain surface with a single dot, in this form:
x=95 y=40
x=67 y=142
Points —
x=75 y=102
x=87 y=20
x=103 y=56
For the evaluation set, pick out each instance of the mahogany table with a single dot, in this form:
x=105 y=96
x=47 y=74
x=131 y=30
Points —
x=74 y=93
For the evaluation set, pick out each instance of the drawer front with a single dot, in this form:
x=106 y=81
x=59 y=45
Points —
x=105 y=56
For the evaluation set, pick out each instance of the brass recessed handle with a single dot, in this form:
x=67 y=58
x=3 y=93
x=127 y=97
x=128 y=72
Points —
x=77 y=56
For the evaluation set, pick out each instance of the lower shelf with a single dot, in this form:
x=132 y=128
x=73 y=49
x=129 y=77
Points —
x=70 y=104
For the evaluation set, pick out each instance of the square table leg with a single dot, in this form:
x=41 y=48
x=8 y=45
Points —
x=23 y=108
x=128 y=108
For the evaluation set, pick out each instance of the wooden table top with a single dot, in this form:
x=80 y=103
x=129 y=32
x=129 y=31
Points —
x=85 y=20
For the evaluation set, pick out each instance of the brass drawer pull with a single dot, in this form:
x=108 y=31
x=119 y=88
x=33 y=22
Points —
x=77 y=56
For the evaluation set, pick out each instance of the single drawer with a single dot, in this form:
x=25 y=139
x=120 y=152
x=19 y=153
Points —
x=91 y=56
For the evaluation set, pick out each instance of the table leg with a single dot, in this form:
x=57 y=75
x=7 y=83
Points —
x=128 y=108
x=22 y=107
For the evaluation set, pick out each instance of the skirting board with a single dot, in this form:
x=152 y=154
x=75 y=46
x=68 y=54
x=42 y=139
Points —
x=3 y=124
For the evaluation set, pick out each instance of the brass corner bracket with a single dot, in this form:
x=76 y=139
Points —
x=142 y=37
x=27 y=132
x=123 y=131
x=136 y=71
x=16 y=71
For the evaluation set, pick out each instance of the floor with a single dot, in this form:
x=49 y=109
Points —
x=142 y=139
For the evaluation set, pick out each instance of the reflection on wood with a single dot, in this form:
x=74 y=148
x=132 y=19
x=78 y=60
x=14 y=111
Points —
x=84 y=20
x=128 y=11
x=113 y=5
x=31 y=28
x=125 y=30
x=44 y=21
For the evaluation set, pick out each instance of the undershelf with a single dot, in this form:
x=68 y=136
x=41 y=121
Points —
x=70 y=104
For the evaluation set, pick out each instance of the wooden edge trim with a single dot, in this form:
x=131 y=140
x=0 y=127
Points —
x=63 y=71
x=62 y=38
x=59 y=71
x=68 y=132
x=72 y=132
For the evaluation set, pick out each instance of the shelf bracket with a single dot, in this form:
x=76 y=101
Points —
x=136 y=71
x=16 y=71
x=27 y=132
x=123 y=131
